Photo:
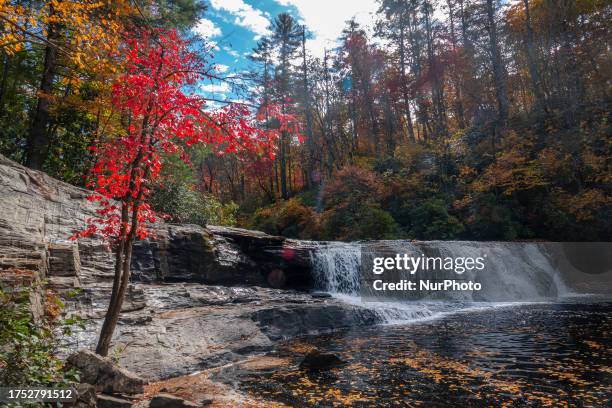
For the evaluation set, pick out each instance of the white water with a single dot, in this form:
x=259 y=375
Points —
x=515 y=273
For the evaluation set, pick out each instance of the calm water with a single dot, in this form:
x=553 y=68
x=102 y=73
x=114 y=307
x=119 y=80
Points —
x=532 y=355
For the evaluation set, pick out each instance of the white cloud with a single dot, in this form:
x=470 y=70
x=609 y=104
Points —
x=244 y=15
x=212 y=45
x=221 y=88
x=231 y=51
x=326 y=18
x=222 y=68
x=206 y=29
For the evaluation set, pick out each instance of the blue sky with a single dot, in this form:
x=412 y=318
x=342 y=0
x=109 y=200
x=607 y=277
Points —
x=234 y=26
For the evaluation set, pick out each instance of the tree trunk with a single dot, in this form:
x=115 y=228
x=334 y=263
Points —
x=499 y=76
x=283 y=166
x=38 y=140
x=5 y=69
x=531 y=60
x=126 y=240
x=405 y=92
x=112 y=313
x=459 y=112
x=437 y=87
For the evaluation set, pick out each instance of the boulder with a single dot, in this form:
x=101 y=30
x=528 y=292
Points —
x=170 y=401
x=86 y=396
x=105 y=375
x=316 y=360
x=109 y=401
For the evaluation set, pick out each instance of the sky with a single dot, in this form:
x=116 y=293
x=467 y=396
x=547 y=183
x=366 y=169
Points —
x=233 y=28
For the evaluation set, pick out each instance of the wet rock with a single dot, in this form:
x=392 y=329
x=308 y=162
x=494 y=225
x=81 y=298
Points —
x=106 y=376
x=170 y=401
x=287 y=321
x=277 y=279
x=315 y=360
x=320 y=295
x=109 y=401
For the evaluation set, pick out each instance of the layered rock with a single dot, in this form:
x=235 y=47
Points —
x=40 y=214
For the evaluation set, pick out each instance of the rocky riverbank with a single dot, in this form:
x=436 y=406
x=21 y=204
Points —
x=180 y=328
x=200 y=297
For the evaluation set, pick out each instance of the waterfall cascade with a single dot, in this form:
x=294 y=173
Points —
x=514 y=272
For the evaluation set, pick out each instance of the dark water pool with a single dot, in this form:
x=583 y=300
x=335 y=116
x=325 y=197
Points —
x=532 y=355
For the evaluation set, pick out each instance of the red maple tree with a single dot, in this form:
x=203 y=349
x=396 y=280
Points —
x=158 y=117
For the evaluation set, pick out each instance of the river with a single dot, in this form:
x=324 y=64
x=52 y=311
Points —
x=544 y=354
x=542 y=345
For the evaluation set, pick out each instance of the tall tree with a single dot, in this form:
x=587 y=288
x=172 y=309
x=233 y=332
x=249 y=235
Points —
x=307 y=109
x=262 y=55
x=395 y=28
x=287 y=35
x=457 y=59
x=78 y=35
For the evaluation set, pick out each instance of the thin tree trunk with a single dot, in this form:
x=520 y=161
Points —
x=459 y=112
x=283 y=166
x=108 y=327
x=405 y=92
x=38 y=141
x=437 y=87
x=531 y=60
x=499 y=79
x=289 y=169
x=5 y=69
x=126 y=239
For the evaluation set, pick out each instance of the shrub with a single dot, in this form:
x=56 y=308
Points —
x=352 y=202
x=431 y=220
x=363 y=222
x=29 y=348
x=353 y=187
x=287 y=218
x=489 y=218
x=183 y=204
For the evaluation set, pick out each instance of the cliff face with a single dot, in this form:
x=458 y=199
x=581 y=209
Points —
x=39 y=214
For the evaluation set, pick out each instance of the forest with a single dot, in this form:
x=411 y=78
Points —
x=448 y=119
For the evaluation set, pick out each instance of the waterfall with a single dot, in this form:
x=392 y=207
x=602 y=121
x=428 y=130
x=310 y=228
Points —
x=336 y=267
x=514 y=272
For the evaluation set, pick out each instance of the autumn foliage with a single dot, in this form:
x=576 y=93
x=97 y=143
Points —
x=161 y=119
